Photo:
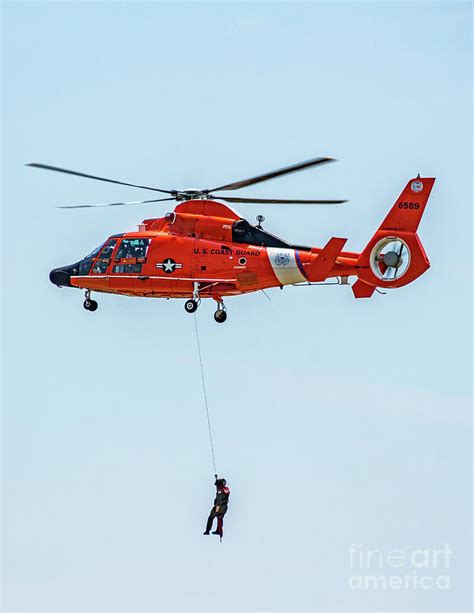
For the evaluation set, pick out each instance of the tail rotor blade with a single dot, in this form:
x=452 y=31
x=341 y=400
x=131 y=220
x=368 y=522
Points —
x=389 y=273
x=400 y=250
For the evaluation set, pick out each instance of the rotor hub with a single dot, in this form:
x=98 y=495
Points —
x=392 y=259
x=191 y=194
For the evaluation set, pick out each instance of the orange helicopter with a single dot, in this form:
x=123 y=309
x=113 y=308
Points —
x=205 y=249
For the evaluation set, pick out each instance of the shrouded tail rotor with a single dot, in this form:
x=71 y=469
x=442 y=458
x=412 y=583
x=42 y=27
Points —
x=390 y=259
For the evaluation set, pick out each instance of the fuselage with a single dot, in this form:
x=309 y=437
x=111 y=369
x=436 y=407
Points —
x=202 y=242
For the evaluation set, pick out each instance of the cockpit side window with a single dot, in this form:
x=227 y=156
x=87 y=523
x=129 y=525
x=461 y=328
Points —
x=131 y=255
x=104 y=258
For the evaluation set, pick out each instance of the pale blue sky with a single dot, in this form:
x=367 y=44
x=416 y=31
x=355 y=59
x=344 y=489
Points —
x=336 y=421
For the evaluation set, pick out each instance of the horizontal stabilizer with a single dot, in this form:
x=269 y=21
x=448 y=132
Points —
x=324 y=263
x=362 y=290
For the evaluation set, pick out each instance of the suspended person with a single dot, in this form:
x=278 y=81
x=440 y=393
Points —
x=220 y=507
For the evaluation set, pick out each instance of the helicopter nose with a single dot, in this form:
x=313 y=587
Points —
x=62 y=276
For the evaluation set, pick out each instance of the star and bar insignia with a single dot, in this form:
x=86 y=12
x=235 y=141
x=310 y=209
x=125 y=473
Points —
x=168 y=265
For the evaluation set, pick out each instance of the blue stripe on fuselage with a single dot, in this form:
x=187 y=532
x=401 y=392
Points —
x=298 y=261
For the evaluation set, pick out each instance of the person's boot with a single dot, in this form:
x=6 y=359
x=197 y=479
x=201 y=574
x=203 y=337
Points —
x=216 y=532
x=207 y=532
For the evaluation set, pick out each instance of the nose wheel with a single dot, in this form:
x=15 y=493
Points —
x=191 y=306
x=89 y=304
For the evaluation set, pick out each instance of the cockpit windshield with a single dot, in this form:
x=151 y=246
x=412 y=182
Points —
x=86 y=263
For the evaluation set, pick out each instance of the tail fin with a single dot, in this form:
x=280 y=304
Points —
x=406 y=213
x=395 y=256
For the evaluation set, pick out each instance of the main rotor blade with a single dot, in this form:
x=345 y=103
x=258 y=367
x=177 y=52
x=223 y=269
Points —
x=81 y=174
x=273 y=174
x=87 y=206
x=277 y=200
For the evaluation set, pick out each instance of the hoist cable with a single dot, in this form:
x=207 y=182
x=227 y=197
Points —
x=205 y=394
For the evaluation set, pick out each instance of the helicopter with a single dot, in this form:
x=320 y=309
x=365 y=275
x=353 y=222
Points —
x=205 y=249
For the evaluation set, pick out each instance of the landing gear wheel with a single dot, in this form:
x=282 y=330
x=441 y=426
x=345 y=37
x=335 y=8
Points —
x=190 y=306
x=90 y=305
x=220 y=316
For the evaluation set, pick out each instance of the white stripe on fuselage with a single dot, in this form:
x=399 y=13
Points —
x=284 y=265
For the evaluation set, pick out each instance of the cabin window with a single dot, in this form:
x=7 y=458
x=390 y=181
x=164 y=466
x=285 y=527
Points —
x=133 y=249
x=103 y=260
x=127 y=268
x=243 y=232
x=130 y=256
